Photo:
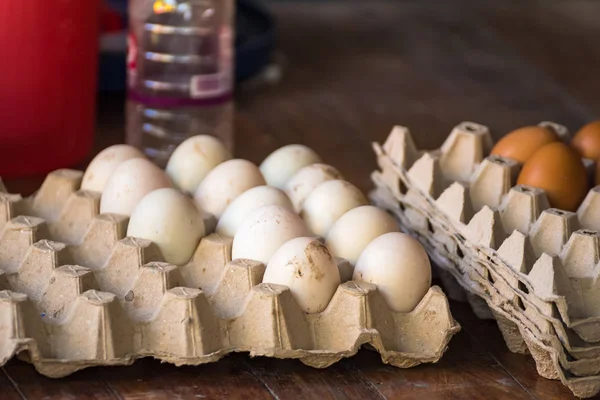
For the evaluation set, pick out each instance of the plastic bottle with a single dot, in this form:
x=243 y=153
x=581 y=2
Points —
x=180 y=73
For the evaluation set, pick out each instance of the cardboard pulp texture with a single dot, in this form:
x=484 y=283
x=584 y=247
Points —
x=533 y=268
x=75 y=292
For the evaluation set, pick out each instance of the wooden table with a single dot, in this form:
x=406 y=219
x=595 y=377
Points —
x=352 y=71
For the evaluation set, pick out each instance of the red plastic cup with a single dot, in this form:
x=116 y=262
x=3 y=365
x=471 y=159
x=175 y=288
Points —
x=48 y=81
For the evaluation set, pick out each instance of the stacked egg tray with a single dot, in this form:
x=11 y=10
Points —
x=75 y=292
x=533 y=268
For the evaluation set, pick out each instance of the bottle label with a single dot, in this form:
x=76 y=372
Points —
x=217 y=84
x=203 y=86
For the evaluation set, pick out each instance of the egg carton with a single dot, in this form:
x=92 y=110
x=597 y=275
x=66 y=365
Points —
x=531 y=267
x=76 y=292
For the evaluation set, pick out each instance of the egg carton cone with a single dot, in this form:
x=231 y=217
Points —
x=535 y=267
x=76 y=292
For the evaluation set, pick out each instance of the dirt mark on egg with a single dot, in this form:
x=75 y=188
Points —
x=354 y=193
x=329 y=170
x=316 y=248
x=198 y=149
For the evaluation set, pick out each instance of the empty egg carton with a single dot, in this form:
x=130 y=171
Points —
x=76 y=292
x=531 y=267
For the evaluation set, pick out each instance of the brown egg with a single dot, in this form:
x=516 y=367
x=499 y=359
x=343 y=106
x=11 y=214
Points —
x=587 y=141
x=520 y=144
x=558 y=170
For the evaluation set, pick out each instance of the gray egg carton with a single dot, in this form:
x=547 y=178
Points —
x=501 y=247
x=76 y=292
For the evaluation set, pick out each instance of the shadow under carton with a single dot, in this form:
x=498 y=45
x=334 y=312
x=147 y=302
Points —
x=536 y=268
x=75 y=292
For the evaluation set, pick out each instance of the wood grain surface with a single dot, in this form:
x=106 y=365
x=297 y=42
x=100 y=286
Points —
x=352 y=70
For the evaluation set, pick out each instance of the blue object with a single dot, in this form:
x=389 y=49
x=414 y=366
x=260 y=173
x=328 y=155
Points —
x=254 y=45
x=112 y=76
x=255 y=39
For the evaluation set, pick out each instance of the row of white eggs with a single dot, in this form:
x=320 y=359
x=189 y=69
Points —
x=276 y=214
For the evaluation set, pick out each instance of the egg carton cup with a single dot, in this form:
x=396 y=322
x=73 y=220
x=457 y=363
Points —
x=531 y=267
x=76 y=292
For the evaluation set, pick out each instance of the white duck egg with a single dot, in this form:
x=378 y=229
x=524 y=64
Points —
x=284 y=162
x=400 y=268
x=171 y=220
x=328 y=202
x=105 y=163
x=246 y=203
x=263 y=231
x=308 y=268
x=226 y=182
x=350 y=234
x=306 y=180
x=193 y=159
x=130 y=182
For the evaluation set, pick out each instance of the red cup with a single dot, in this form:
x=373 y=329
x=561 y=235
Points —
x=48 y=81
